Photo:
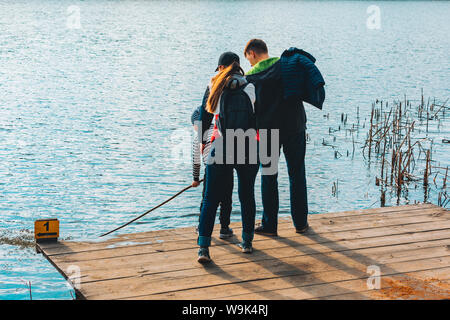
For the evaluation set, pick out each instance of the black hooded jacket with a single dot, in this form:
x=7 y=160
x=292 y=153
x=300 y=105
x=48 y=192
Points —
x=273 y=111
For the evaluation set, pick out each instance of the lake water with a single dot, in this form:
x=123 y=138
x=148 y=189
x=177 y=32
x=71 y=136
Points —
x=92 y=117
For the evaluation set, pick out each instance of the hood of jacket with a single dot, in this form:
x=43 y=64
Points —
x=236 y=81
x=292 y=50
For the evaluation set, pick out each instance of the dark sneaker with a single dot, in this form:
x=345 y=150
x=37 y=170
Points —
x=246 y=247
x=225 y=233
x=203 y=255
x=302 y=230
x=260 y=230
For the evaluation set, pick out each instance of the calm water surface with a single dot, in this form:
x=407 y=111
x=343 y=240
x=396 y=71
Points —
x=91 y=119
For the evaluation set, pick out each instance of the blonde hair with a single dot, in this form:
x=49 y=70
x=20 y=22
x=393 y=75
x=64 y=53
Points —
x=219 y=83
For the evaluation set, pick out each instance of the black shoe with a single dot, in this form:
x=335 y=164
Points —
x=203 y=255
x=246 y=247
x=260 y=230
x=302 y=230
x=225 y=233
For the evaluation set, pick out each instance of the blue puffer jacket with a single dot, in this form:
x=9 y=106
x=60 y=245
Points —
x=301 y=78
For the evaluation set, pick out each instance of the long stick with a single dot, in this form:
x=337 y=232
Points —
x=147 y=212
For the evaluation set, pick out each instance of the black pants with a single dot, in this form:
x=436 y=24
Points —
x=294 y=147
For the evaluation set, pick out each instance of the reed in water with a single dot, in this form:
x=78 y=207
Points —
x=398 y=142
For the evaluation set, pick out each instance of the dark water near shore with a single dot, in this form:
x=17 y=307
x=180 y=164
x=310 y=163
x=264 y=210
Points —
x=91 y=119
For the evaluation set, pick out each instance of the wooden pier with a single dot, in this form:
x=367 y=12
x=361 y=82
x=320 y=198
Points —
x=338 y=258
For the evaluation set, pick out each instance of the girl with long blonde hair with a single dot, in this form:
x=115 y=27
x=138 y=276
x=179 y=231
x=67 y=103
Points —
x=230 y=103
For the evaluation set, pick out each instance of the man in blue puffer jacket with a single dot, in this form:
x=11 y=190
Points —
x=281 y=87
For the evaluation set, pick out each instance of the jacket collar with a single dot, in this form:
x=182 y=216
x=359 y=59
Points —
x=262 y=65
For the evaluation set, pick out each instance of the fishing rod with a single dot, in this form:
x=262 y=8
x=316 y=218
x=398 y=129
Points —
x=147 y=212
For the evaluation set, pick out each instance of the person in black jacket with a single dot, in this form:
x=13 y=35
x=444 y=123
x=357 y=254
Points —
x=287 y=115
x=230 y=104
x=197 y=158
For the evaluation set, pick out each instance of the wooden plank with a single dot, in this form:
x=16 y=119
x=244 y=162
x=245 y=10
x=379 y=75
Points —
x=377 y=218
x=267 y=288
x=182 y=233
x=260 y=242
x=306 y=279
x=428 y=286
x=67 y=247
x=330 y=259
x=183 y=263
x=423 y=285
x=323 y=290
x=318 y=216
x=405 y=287
x=172 y=259
x=284 y=220
x=178 y=244
x=274 y=268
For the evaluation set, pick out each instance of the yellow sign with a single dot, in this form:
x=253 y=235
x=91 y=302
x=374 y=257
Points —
x=46 y=229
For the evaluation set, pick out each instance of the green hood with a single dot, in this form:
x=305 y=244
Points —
x=262 y=65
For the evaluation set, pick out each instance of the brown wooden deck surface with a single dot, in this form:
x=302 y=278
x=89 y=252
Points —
x=410 y=244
